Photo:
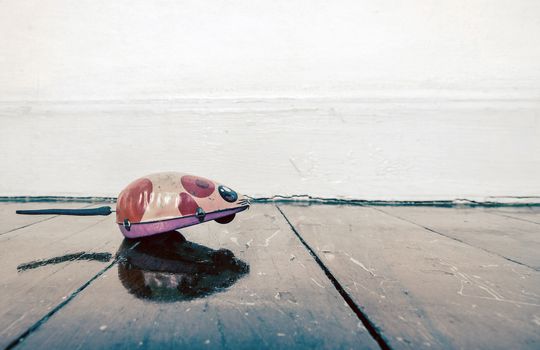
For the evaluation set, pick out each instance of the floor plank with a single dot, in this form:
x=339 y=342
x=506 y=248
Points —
x=285 y=301
x=529 y=214
x=514 y=239
x=421 y=289
x=28 y=295
x=9 y=221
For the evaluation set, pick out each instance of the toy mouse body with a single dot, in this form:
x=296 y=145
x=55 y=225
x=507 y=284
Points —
x=163 y=202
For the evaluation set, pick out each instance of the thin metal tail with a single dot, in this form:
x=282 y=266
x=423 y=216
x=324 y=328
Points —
x=79 y=212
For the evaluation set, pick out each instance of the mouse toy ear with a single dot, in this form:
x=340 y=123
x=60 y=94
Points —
x=225 y=219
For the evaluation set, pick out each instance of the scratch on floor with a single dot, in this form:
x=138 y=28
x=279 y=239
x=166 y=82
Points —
x=536 y=320
x=317 y=283
x=360 y=264
x=465 y=279
x=14 y=323
x=268 y=239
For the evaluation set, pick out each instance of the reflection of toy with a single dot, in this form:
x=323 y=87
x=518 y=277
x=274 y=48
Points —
x=166 y=201
x=168 y=268
x=164 y=268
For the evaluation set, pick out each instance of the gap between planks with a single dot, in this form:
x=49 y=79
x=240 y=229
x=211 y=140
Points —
x=368 y=324
x=456 y=239
x=514 y=217
x=373 y=330
x=42 y=220
x=61 y=305
x=30 y=224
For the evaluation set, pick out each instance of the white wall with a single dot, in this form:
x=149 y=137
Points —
x=354 y=99
x=364 y=149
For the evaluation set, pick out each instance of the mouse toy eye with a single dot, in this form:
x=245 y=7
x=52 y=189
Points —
x=227 y=194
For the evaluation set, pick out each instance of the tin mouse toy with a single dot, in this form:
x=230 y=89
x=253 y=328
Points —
x=163 y=202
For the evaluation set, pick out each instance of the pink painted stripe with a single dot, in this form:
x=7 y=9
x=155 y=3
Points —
x=155 y=227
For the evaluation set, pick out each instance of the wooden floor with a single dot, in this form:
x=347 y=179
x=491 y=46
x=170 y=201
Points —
x=291 y=277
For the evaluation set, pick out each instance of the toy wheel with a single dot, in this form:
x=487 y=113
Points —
x=225 y=219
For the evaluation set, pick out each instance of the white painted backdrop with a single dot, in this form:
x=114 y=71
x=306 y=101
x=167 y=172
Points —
x=351 y=99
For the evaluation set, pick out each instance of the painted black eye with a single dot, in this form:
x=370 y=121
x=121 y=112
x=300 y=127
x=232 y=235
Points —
x=227 y=194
